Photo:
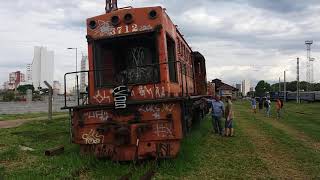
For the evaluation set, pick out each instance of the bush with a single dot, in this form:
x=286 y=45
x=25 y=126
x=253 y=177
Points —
x=8 y=96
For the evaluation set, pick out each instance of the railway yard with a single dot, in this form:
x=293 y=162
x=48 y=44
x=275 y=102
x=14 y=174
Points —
x=262 y=148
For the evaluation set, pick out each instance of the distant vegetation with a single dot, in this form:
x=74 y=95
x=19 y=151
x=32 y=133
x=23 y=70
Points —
x=23 y=88
x=264 y=87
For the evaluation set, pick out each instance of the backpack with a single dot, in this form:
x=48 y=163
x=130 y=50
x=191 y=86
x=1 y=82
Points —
x=266 y=104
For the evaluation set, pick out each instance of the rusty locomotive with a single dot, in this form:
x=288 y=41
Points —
x=145 y=86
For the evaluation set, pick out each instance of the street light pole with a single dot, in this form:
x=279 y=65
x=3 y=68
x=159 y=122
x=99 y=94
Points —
x=76 y=60
x=284 y=86
x=76 y=57
x=77 y=78
x=298 y=81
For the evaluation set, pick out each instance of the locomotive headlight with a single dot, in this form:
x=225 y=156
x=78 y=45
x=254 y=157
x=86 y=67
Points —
x=153 y=14
x=92 y=24
x=128 y=18
x=115 y=20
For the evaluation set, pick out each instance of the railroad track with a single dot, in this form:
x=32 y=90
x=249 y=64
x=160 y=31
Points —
x=146 y=176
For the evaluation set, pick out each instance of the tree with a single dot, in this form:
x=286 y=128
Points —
x=8 y=96
x=317 y=86
x=23 y=88
x=250 y=94
x=262 y=87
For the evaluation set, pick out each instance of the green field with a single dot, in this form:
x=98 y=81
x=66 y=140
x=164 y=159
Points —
x=5 y=117
x=263 y=148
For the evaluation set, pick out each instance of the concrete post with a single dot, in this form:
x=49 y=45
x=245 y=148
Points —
x=50 y=100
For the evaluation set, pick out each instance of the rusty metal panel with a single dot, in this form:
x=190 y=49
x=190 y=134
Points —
x=129 y=122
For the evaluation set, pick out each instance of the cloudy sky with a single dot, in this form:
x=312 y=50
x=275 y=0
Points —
x=241 y=39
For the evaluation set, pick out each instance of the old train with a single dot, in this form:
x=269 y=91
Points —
x=145 y=86
x=308 y=96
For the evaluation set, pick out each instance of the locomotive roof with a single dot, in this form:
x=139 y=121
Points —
x=181 y=36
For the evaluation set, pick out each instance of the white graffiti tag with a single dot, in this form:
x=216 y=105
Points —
x=167 y=107
x=101 y=115
x=163 y=94
x=100 y=97
x=93 y=137
x=145 y=27
x=149 y=91
x=162 y=130
x=142 y=92
x=120 y=97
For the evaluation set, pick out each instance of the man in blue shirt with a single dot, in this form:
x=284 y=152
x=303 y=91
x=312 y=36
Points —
x=217 y=107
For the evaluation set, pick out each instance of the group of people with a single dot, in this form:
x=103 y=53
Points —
x=267 y=104
x=220 y=110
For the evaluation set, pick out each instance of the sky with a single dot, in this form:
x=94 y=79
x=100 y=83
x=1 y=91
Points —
x=240 y=39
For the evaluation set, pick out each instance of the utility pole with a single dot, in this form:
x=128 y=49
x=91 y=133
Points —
x=279 y=85
x=309 y=78
x=284 y=86
x=298 y=82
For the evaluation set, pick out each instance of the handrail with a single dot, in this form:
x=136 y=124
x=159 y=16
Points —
x=132 y=84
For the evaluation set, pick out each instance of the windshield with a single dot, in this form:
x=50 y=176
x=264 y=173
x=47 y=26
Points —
x=126 y=60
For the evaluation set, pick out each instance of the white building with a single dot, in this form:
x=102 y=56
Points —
x=42 y=67
x=29 y=73
x=245 y=87
x=84 y=76
x=56 y=87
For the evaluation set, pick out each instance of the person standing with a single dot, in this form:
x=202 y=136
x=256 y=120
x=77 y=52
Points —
x=217 y=113
x=279 y=105
x=254 y=105
x=260 y=103
x=229 y=118
x=268 y=107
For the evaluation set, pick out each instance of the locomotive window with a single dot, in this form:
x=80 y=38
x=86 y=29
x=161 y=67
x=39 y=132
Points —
x=126 y=60
x=171 y=59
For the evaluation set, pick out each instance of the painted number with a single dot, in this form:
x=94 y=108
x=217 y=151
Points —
x=134 y=27
x=119 y=30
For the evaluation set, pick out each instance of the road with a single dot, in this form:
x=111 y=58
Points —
x=24 y=107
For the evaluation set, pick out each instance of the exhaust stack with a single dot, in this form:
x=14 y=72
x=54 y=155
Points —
x=111 y=5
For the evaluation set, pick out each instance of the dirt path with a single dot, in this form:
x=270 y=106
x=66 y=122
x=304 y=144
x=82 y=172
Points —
x=306 y=140
x=18 y=122
x=279 y=162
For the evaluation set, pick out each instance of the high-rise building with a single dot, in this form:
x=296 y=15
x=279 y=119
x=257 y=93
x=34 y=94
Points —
x=84 y=76
x=56 y=87
x=29 y=73
x=15 y=79
x=42 y=67
x=238 y=86
x=245 y=87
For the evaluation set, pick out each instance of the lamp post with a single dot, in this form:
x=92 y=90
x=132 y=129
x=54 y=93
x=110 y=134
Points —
x=76 y=57
x=284 y=86
x=77 y=85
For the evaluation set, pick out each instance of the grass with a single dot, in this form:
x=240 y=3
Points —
x=5 y=117
x=260 y=150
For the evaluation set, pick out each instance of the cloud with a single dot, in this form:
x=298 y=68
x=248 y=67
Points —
x=241 y=39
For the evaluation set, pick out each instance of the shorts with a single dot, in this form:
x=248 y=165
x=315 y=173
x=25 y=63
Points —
x=254 y=106
x=229 y=124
